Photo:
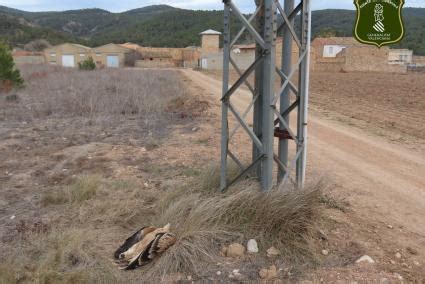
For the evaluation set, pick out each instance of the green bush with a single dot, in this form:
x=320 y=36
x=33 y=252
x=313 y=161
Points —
x=9 y=76
x=87 y=64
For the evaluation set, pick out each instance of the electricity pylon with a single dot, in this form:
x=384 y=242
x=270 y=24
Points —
x=269 y=121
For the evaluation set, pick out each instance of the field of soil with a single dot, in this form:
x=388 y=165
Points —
x=389 y=105
x=88 y=158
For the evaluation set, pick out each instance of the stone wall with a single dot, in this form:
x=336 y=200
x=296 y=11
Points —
x=155 y=63
x=210 y=44
x=369 y=59
x=419 y=60
x=329 y=64
x=30 y=59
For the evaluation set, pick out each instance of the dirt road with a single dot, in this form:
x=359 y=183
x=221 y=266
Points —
x=384 y=182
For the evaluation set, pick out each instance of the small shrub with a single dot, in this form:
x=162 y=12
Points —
x=131 y=58
x=87 y=64
x=12 y=98
x=9 y=75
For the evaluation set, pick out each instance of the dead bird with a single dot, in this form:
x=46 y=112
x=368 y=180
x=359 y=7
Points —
x=144 y=245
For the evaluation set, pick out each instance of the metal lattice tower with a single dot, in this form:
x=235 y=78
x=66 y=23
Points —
x=270 y=109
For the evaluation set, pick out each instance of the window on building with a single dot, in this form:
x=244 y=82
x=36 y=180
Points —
x=82 y=55
x=52 y=62
x=331 y=49
x=98 y=54
x=53 y=54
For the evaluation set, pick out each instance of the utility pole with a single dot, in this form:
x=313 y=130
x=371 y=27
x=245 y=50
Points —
x=269 y=121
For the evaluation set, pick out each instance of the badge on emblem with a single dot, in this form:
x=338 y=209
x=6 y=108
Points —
x=379 y=22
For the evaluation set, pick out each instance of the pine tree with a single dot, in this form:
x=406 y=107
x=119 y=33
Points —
x=9 y=75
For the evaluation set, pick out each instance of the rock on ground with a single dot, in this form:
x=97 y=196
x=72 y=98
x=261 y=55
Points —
x=235 y=250
x=268 y=273
x=271 y=252
x=365 y=258
x=252 y=246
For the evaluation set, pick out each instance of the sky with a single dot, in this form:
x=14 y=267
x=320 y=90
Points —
x=124 y=5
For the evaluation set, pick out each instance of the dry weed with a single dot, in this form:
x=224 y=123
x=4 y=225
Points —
x=204 y=220
x=84 y=188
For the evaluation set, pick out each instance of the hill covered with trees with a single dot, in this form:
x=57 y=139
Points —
x=163 y=25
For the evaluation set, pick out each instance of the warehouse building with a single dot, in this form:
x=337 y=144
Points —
x=67 y=54
x=110 y=55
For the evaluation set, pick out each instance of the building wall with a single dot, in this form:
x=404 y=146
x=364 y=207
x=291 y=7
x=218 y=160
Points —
x=369 y=59
x=210 y=44
x=332 y=50
x=53 y=55
x=30 y=59
x=400 y=56
x=100 y=54
x=329 y=64
x=419 y=60
x=155 y=63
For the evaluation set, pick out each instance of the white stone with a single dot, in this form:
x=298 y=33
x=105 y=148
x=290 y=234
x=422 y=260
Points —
x=416 y=263
x=252 y=246
x=218 y=273
x=12 y=217
x=398 y=255
x=325 y=252
x=365 y=258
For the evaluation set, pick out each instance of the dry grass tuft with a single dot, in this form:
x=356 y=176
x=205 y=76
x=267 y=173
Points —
x=61 y=257
x=84 y=188
x=203 y=221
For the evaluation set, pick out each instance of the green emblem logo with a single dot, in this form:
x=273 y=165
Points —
x=379 y=22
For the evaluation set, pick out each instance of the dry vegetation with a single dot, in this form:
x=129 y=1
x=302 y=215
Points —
x=75 y=182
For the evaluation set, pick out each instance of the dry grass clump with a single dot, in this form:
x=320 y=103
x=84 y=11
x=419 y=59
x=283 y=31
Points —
x=84 y=188
x=204 y=221
x=58 y=257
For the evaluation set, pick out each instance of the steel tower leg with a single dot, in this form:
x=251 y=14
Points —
x=304 y=88
x=285 y=99
x=258 y=104
x=269 y=69
x=225 y=102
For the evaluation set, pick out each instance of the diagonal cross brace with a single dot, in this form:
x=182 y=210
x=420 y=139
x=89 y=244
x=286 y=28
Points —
x=245 y=126
x=288 y=23
x=244 y=28
x=284 y=78
x=286 y=126
x=244 y=115
x=294 y=68
x=238 y=70
x=243 y=78
x=292 y=15
x=244 y=172
x=247 y=24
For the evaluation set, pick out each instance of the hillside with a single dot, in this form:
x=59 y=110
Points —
x=17 y=31
x=163 y=25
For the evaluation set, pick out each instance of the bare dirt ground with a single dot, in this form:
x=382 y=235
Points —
x=388 y=105
x=381 y=180
x=126 y=156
